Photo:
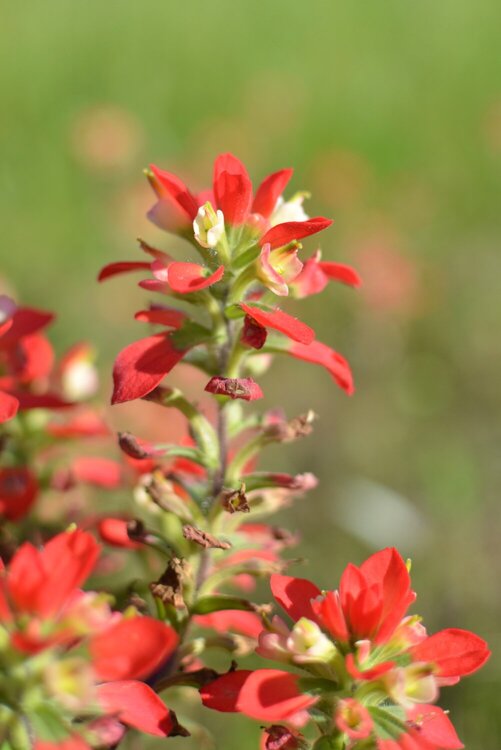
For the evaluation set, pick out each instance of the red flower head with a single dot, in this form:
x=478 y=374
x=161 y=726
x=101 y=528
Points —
x=93 y=657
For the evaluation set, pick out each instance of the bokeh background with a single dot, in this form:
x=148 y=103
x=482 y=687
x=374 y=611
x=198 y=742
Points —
x=391 y=114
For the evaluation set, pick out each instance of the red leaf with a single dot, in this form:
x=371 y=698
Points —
x=284 y=233
x=97 y=471
x=232 y=188
x=167 y=185
x=124 y=266
x=132 y=649
x=320 y=354
x=269 y=192
x=282 y=322
x=140 y=367
x=273 y=695
x=161 y=316
x=8 y=406
x=18 y=492
x=25 y=321
x=340 y=272
x=455 y=652
x=190 y=277
x=434 y=727
x=294 y=595
x=223 y=693
x=137 y=705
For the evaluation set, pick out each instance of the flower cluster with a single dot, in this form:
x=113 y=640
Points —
x=71 y=667
x=369 y=672
x=249 y=246
x=80 y=668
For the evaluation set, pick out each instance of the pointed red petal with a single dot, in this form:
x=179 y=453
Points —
x=294 y=596
x=269 y=192
x=140 y=367
x=25 y=321
x=97 y=471
x=273 y=695
x=137 y=705
x=167 y=185
x=434 y=727
x=340 y=272
x=8 y=406
x=190 y=277
x=282 y=322
x=160 y=316
x=232 y=188
x=124 y=266
x=132 y=649
x=455 y=652
x=320 y=354
x=284 y=233
x=223 y=693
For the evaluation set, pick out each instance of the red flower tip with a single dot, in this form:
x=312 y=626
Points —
x=184 y=278
x=168 y=186
x=244 y=388
x=18 y=492
x=161 y=316
x=125 y=266
x=320 y=354
x=280 y=321
x=454 y=652
x=232 y=189
x=141 y=366
x=9 y=406
x=269 y=192
x=282 y=234
x=113 y=531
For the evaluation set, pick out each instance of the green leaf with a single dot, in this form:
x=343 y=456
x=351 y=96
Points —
x=208 y=604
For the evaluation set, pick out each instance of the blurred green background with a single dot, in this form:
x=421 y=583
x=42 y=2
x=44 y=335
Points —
x=391 y=114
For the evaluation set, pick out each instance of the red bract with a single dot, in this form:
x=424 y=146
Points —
x=371 y=601
x=41 y=607
x=453 y=652
x=23 y=353
x=291 y=231
x=280 y=321
x=18 y=491
x=321 y=354
x=232 y=189
x=184 y=278
x=141 y=366
x=266 y=694
x=316 y=274
x=270 y=191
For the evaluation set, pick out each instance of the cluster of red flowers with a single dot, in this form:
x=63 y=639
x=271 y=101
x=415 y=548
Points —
x=369 y=671
x=76 y=673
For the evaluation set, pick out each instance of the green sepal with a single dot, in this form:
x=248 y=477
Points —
x=389 y=721
x=246 y=258
x=48 y=723
x=317 y=685
x=234 y=312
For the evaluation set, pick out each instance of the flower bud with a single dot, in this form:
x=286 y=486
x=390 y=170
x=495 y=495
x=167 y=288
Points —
x=208 y=226
x=412 y=684
x=353 y=719
x=70 y=681
x=307 y=643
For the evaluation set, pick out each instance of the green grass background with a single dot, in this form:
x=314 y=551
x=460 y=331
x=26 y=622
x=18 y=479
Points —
x=390 y=111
